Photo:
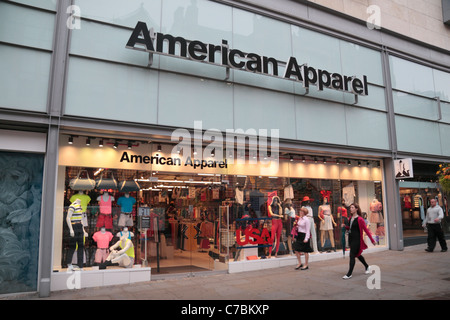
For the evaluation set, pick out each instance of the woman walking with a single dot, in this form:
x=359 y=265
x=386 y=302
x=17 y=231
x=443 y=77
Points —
x=356 y=227
x=302 y=245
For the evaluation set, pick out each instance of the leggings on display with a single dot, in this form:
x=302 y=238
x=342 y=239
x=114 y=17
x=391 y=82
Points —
x=277 y=227
x=78 y=238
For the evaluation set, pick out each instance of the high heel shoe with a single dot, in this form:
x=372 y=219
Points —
x=298 y=267
x=305 y=268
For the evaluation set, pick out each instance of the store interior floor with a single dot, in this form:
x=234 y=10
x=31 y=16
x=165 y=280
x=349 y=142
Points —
x=417 y=236
x=182 y=262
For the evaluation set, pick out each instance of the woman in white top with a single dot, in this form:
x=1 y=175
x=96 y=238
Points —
x=303 y=228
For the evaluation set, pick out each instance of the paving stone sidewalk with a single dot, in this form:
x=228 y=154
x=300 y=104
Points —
x=411 y=274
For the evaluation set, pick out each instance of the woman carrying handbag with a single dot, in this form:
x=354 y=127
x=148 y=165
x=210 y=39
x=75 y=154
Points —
x=302 y=229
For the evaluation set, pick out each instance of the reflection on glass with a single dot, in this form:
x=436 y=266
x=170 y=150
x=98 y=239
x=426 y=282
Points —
x=411 y=77
x=124 y=13
x=20 y=207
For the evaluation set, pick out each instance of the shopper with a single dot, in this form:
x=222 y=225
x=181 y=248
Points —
x=433 y=223
x=356 y=228
x=302 y=244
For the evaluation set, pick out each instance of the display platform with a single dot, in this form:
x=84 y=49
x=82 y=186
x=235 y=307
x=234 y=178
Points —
x=88 y=278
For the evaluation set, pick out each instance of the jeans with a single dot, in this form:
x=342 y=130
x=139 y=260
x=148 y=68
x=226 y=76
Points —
x=78 y=238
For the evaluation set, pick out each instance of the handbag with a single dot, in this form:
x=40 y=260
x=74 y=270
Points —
x=129 y=186
x=294 y=231
x=106 y=183
x=78 y=183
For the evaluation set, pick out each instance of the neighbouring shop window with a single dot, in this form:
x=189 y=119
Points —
x=20 y=211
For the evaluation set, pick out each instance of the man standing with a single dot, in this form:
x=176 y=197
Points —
x=433 y=223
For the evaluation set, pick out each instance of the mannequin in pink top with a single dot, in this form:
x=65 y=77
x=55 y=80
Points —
x=105 y=207
x=102 y=238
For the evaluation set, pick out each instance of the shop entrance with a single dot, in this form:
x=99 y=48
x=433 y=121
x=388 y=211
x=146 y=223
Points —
x=415 y=200
x=184 y=221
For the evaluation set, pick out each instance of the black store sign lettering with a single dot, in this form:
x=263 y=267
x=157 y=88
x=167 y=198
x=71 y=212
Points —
x=145 y=40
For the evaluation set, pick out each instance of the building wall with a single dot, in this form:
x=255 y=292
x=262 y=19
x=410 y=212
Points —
x=418 y=19
x=103 y=78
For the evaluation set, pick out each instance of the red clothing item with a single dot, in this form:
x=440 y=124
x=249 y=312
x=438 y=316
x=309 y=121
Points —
x=342 y=211
x=362 y=227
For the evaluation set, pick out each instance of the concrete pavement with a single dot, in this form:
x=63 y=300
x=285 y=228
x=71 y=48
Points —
x=411 y=274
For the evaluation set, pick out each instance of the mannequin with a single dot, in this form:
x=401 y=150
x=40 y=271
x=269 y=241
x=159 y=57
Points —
x=85 y=200
x=77 y=233
x=306 y=203
x=124 y=257
x=375 y=214
x=105 y=215
x=326 y=222
x=376 y=219
x=125 y=232
x=342 y=210
x=103 y=239
x=290 y=213
x=276 y=213
x=126 y=204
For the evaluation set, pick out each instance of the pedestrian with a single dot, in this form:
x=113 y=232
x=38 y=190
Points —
x=433 y=223
x=356 y=228
x=302 y=245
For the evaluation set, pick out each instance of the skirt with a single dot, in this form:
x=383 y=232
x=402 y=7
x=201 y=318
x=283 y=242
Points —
x=327 y=223
x=300 y=246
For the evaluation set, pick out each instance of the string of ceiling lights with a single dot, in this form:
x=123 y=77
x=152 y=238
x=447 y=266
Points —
x=101 y=142
x=297 y=158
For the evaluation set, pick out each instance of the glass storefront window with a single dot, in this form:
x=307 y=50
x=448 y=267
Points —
x=181 y=221
x=20 y=215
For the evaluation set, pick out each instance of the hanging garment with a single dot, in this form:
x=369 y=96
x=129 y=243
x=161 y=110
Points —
x=239 y=196
x=348 y=194
x=407 y=202
x=288 y=192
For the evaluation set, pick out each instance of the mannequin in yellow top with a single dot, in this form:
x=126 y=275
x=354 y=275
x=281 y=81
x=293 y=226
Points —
x=124 y=257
